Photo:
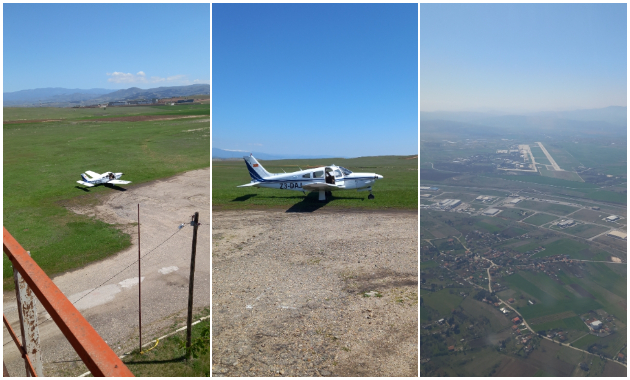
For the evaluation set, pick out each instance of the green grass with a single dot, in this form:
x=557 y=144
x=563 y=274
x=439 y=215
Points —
x=442 y=301
x=572 y=323
x=552 y=297
x=547 y=207
x=549 y=181
x=167 y=359
x=428 y=264
x=42 y=162
x=563 y=247
x=37 y=113
x=564 y=175
x=540 y=219
x=397 y=190
x=585 y=341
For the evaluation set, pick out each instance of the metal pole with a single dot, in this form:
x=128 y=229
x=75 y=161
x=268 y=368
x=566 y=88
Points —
x=27 y=312
x=139 y=284
x=191 y=284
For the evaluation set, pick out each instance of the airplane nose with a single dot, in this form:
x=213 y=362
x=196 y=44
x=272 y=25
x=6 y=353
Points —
x=378 y=176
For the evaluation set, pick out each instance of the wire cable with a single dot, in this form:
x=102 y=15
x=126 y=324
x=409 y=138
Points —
x=119 y=272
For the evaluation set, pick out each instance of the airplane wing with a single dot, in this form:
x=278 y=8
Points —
x=92 y=174
x=118 y=182
x=249 y=184
x=316 y=186
x=85 y=184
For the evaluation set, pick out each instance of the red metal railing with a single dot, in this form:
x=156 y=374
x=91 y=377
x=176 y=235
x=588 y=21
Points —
x=99 y=358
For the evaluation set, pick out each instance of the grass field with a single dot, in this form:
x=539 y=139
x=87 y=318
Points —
x=548 y=207
x=42 y=162
x=167 y=359
x=398 y=189
x=552 y=297
x=572 y=323
x=585 y=341
x=540 y=219
x=585 y=230
x=563 y=247
x=564 y=175
x=539 y=155
x=67 y=114
x=514 y=213
x=549 y=181
x=442 y=301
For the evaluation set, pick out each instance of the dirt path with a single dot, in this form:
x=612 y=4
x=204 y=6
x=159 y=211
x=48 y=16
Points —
x=113 y=308
x=289 y=293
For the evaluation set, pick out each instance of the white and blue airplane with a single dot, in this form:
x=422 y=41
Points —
x=90 y=179
x=324 y=179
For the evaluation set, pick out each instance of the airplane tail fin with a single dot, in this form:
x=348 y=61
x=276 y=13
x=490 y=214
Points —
x=256 y=170
x=84 y=178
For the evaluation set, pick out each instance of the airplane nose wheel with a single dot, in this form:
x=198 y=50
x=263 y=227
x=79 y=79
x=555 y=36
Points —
x=371 y=196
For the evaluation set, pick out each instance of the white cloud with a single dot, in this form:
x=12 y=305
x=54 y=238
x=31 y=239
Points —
x=141 y=77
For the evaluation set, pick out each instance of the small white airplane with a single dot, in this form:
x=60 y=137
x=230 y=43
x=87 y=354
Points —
x=90 y=179
x=324 y=179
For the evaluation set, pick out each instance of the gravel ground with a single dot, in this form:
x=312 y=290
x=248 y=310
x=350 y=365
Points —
x=289 y=293
x=113 y=308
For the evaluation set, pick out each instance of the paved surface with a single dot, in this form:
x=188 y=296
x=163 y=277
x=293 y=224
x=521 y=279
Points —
x=113 y=308
x=553 y=162
x=315 y=294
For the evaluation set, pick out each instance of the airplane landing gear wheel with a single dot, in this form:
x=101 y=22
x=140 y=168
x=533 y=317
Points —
x=371 y=196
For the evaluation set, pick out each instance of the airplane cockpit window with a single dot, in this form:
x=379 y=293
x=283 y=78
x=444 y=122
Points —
x=337 y=173
x=318 y=174
x=307 y=175
x=345 y=171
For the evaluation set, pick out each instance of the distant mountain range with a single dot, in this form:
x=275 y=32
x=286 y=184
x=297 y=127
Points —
x=222 y=153
x=66 y=97
x=600 y=121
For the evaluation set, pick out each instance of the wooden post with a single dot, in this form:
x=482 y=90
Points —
x=139 y=285
x=191 y=284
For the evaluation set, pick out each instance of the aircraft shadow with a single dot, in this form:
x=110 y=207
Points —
x=243 y=198
x=311 y=202
x=82 y=188
x=115 y=187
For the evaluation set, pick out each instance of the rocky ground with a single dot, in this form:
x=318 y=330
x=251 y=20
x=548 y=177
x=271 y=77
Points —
x=315 y=294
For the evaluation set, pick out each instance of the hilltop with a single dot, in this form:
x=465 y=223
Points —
x=64 y=97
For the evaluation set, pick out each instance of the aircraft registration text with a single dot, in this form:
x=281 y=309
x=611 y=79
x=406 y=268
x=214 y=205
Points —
x=290 y=185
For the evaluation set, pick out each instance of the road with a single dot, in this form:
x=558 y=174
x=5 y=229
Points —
x=112 y=309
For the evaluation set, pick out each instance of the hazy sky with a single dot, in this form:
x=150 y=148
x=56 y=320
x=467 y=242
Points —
x=329 y=79
x=110 y=46
x=522 y=57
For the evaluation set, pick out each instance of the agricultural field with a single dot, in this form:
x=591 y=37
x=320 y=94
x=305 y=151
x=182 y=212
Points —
x=564 y=175
x=593 y=216
x=547 y=207
x=443 y=301
x=514 y=213
x=585 y=230
x=43 y=160
x=563 y=247
x=398 y=189
x=563 y=292
x=539 y=219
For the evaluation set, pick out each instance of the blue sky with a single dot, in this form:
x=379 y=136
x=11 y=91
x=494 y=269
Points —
x=110 y=46
x=522 y=57
x=309 y=79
